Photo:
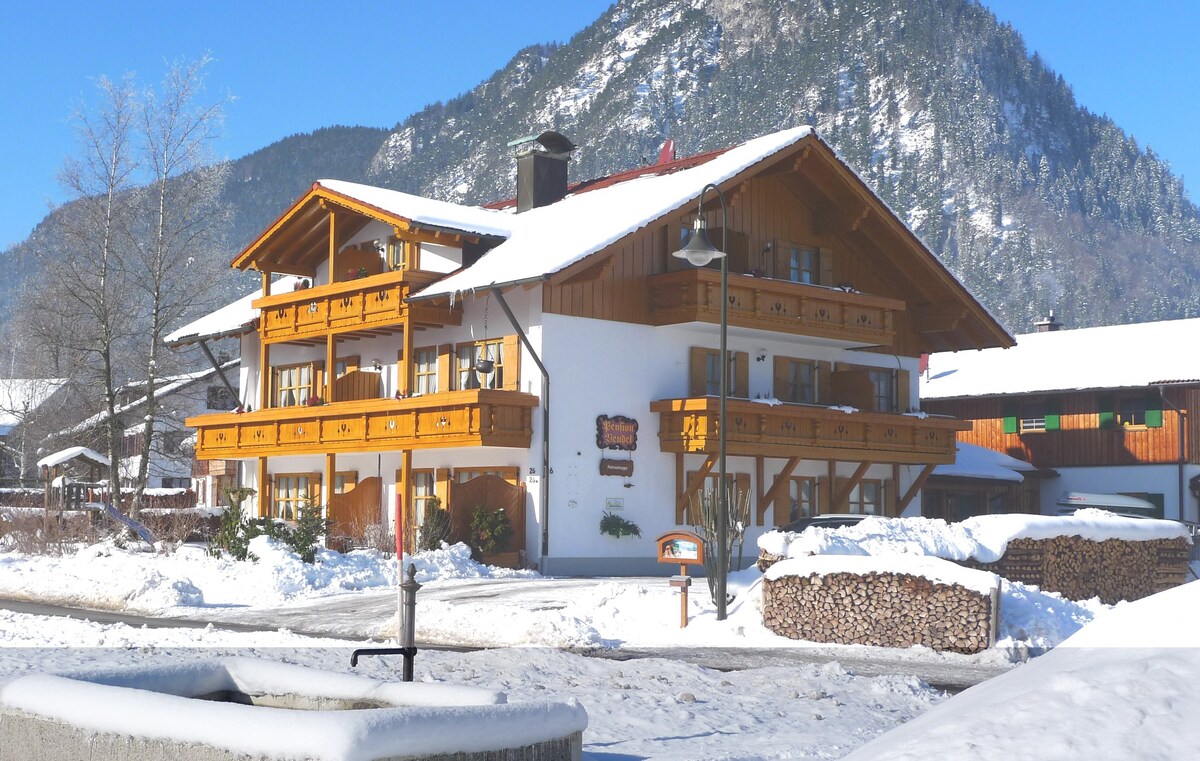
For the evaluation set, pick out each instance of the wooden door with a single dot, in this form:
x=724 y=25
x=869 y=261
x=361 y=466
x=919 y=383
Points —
x=490 y=492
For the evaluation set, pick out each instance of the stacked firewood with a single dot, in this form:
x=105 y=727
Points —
x=882 y=609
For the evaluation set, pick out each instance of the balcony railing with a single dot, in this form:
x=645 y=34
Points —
x=802 y=430
x=694 y=295
x=480 y=417
x=370 y=302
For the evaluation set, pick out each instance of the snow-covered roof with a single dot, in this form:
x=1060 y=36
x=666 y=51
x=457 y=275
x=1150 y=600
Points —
x=549 y=238
x=427 y=211
x=230 y=320
x=18 y=396
x=1117 y=356
x=70 y=453
x=971 y=461
x=167 y=386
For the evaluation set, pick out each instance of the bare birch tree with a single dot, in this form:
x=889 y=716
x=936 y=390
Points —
x=177 y=222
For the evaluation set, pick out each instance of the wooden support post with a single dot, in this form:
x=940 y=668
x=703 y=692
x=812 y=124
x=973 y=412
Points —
x=264 y=373
x=330 y=368
x=843 y=495
x=330 y=478
x=696 y=481
x=404 y=366
x=683 y=599
x=917 y=483
x=403 y=508
x=777 y=488
x=332 y=245
x=264 y=488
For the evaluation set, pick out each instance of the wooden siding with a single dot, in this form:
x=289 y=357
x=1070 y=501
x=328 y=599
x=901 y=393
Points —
x=808 y=431
x=481 y=417
x=1080 y=441
x=767 y=210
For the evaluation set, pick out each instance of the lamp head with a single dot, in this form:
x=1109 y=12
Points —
x=698 y=251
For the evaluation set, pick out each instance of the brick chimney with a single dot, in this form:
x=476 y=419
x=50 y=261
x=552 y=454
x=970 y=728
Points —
x=541 y=169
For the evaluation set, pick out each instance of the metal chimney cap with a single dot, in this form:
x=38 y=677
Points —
x=553 y=142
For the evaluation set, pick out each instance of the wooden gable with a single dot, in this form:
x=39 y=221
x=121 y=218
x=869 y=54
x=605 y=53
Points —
x=805 y=197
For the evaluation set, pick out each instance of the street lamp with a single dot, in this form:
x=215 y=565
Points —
x=699 y=251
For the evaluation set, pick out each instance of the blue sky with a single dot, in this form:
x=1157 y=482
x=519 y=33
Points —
x=300 y=65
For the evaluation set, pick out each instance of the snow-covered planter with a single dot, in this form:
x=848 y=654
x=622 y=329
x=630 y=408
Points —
x=896 y=601
x=241 y=708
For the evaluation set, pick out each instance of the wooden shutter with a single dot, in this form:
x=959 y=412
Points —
x=1154 y=415
x=1010 y=416
x=903 y=397
x=446 y=371
x=826 y=264
x=741 y=374
x=1053 y=414
x=697 y=378
x=824 y=382
x=1106 y=418
x=780 y=381
x=510 y=350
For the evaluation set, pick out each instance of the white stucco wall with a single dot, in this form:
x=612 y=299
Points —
x=1123 y=479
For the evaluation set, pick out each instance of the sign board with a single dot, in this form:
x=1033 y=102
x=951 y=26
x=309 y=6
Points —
x=616 y=468
x=682 y=547
x=616 y=432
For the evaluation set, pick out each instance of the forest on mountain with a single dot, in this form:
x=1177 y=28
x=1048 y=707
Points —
x=1032 y=200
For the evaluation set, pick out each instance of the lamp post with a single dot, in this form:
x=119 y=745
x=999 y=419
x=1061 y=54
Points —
x=699 y=252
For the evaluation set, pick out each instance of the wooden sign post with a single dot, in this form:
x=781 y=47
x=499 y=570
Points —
x=684 y=548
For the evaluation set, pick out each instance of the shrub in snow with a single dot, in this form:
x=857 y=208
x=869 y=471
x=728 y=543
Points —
x=435 y=525
x=491 y=531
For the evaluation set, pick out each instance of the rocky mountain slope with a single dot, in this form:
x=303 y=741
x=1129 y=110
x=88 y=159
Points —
x=1033 y=201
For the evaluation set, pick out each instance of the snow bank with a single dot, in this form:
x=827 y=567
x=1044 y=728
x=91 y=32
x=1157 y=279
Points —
x=984 y=538
x=1122 y=687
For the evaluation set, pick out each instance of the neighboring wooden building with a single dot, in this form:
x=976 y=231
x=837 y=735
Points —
x=410 y=354
x=982 y=482
x=1110 y=409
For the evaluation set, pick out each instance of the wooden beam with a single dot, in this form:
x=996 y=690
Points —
x=696 y=481
x=333 y=243
x=330 y=477
x=917 y=483
x=777 y=488
x=843 y=495
x=264 y=488
x=264 y=374
x=759 y=480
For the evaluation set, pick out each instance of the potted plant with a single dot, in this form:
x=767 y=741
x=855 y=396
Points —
x=614 y=525
x=314 y=401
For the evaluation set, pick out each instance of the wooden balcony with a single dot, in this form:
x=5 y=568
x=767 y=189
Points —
x=694 y=295
x=802 y=430
x=369 y=303
x=480 y=417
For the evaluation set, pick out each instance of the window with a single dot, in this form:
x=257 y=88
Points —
x=293 y=385
x=468 y=354
x=884 y=382
x=867 y=498
x=220 y=398
x=1131 y=412
x=292 y=492
x=796 y=380
x=803 y=500
x=345 y=481
x=803 y=265
x=705 y=377
x=173 y=441
x=177 y=483
x=422 y=493
x=425 y=371
x=1033 y=417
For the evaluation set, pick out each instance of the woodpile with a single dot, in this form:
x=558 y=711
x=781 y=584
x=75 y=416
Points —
x=1080 y=569
x=882 y=609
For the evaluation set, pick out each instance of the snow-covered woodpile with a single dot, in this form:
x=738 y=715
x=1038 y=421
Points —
x=1080 y=569
x=882 y=609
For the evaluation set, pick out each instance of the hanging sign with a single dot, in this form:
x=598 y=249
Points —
x=616 y=468
x=616 y=432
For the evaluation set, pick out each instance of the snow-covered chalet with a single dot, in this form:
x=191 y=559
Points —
x=550 y=357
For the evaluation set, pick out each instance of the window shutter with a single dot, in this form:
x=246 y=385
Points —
x=511 y=352
x=1010 y=417
x=903 y=398
x=1154 y=416
x=1053 y=414
x=824 y=382
x=741 y=375
x=447 y=376
x=779 y=380
x=1106 y=417
x=826 y=264
x=696 y=375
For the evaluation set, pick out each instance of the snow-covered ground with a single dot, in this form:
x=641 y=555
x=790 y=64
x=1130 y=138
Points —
x=644 y=708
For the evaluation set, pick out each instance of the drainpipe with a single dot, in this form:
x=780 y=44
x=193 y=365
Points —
x=545 y=508
x=1182 y=459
